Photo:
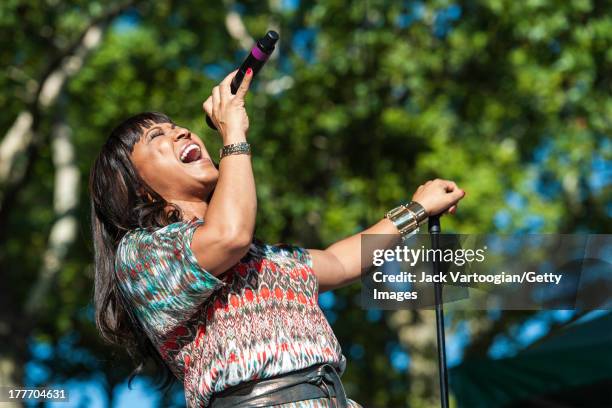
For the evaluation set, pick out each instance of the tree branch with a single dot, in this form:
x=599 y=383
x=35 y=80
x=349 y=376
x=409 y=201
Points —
x=21 y=134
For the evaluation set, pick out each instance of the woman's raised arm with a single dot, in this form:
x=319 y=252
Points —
x=229 y=222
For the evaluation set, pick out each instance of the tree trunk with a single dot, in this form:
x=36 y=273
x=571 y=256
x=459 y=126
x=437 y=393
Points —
x=65 y=203
x=417 y=332
x=7 y=373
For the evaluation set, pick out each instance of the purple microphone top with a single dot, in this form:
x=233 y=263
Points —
x=259 y=54
x=265 y=45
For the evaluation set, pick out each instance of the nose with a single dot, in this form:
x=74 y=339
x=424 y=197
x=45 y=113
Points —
x=182 y=133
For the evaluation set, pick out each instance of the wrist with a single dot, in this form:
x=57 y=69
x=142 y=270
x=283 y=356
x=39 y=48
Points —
x=234 y=148
x=234 y=137
x=421 y=214
x=407 y=218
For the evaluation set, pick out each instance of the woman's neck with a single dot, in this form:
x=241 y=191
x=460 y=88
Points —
x=191 y=209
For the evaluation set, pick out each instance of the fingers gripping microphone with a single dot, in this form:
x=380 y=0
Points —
x=255 y=60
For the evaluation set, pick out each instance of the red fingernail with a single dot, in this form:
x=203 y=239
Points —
x=249 y=71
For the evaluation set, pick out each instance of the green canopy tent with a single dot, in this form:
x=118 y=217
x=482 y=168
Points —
x=570 y=369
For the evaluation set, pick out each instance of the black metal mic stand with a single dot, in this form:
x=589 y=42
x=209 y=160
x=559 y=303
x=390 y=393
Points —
x=434 y=232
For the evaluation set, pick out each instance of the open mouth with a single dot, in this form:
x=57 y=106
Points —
x=191 y=153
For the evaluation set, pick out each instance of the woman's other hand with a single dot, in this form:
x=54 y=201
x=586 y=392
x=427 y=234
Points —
x=438 y=196
x=227 y=111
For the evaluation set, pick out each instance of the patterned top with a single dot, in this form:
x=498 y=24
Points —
x=257 y=320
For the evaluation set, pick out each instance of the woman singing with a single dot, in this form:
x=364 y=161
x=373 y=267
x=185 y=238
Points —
x=180 y=277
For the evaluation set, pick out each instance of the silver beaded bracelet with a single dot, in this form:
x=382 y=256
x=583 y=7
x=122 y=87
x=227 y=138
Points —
x=235 y=148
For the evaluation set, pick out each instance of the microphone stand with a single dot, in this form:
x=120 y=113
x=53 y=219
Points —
x=434 y=232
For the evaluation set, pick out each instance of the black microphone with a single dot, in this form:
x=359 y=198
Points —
x=256 y=59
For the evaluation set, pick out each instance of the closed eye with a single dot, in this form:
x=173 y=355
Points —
x=155 y=133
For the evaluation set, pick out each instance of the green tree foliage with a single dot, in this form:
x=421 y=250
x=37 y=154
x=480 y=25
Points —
x=361 y=104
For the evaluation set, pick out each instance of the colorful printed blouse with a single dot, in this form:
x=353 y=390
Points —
x=257 y=320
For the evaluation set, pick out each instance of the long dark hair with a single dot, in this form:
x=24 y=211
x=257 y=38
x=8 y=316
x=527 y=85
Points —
x=121 y=201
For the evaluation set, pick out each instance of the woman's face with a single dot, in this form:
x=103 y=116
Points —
x=174 y=162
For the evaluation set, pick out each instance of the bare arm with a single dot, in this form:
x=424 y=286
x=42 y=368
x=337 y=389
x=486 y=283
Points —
x=227 y=232
x=340 y=263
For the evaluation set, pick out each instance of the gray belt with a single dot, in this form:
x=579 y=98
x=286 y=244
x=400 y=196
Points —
x=319 y=381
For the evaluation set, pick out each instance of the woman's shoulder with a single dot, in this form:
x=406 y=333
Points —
x=167 y=245
x=146 y=238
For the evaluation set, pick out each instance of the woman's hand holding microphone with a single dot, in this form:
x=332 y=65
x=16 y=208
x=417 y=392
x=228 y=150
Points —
x=227 y=111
